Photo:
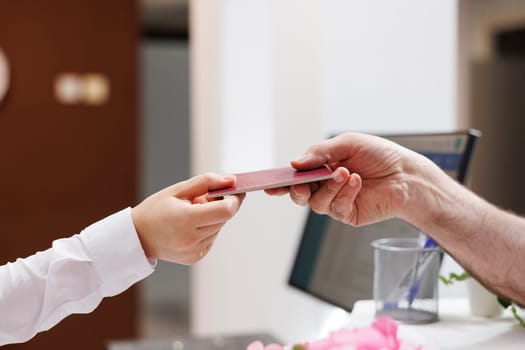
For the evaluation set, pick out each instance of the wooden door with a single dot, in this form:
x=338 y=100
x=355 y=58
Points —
x=62 y=166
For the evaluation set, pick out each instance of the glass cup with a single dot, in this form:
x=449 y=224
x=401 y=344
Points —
x=406 y=280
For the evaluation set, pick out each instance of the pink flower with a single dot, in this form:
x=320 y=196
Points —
x=258 y=345
x=381 y=335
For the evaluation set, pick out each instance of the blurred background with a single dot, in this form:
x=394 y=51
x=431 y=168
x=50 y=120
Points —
x=108 y=102
x=96 y=117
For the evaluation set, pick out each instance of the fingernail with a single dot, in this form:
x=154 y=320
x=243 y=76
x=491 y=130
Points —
x=338 y=177
x=353 y=181
x=302 y=158
x=228 y=177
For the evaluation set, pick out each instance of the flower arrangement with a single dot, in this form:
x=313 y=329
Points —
x=381 y=335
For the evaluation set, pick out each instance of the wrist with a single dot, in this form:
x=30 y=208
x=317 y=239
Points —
x=431 y=193
x=136 y=218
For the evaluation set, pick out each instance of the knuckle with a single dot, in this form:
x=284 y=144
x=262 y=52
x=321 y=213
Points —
x=194 y=259
x=298 y=198
x=337 y=210
x=189 y=242
x=228 y=210
x=208 y=176
x=217 y=229
x=318 y=207
x=331 y=188
x=342 y=212
x=314 y=149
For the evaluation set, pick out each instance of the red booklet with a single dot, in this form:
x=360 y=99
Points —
x=272 y=178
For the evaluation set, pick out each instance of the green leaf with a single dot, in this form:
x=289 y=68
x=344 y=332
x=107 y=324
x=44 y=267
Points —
x=299 y=347
x=516 y=316
x=454 y=277
x=505 y=303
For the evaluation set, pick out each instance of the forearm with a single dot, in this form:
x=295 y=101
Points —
x=487 y=241
x=71 y=277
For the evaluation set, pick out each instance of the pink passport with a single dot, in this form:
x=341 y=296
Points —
x=272 y=178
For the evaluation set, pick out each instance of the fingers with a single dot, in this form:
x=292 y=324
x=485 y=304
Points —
x=320 y=201
x=343 y=206
x=200 y=251
x=206 y=231
x=201 y=184
x=277 y=191
x=206 y=245
x=217 y=211
x=300 y=194
x=335 y=197
x=297 y=191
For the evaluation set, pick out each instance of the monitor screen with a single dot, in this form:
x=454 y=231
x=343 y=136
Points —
x=335 y=262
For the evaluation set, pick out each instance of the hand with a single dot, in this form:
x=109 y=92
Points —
x=369 y=182
x=180 y=223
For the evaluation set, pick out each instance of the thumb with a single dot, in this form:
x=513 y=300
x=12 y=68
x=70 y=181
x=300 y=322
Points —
x=308 y=161
x=201 y=184
x=330 y=151
x=314 y=157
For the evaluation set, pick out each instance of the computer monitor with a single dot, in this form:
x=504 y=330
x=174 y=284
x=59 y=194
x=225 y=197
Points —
x=334 y=261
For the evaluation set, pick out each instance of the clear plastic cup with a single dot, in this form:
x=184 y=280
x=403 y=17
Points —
x=406 y=280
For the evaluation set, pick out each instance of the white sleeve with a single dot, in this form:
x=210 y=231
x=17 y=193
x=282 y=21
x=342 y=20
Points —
x=71 y=277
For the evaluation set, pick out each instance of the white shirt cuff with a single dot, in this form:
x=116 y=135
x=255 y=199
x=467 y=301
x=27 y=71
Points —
x=117 y=254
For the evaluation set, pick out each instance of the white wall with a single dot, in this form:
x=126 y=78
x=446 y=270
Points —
x=389 y=65
x=270 y=78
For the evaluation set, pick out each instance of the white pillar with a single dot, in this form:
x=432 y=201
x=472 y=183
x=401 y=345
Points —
x=205 y=77
x=255 y=92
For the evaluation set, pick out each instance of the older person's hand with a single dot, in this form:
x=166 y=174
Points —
x=369 y=183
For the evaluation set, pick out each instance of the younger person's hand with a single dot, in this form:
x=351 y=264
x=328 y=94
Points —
x=180 y=223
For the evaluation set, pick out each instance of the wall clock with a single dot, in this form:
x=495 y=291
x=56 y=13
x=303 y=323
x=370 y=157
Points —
x=4 y=75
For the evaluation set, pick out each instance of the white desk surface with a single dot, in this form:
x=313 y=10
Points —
x=456 y=328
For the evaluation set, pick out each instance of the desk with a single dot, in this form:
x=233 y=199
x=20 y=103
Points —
x=222 y=342
x=456 y=329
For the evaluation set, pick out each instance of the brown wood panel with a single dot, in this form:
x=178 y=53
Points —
x=63 y=167
x=497 y=105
